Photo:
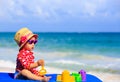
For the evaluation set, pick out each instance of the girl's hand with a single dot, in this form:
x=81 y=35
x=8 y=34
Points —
x=40 y=62
x=46 y=79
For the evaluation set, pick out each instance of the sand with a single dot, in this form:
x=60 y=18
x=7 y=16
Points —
x=105 y=77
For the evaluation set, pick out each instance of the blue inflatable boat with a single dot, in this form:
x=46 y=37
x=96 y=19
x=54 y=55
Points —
x=8 y=77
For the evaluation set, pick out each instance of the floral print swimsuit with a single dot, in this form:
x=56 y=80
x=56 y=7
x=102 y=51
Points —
x=24 y=59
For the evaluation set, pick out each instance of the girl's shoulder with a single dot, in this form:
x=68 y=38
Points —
x=25 y=52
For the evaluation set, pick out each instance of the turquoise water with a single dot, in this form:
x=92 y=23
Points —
x=89 y=51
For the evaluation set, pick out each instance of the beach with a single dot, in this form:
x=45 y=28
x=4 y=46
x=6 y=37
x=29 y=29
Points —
x=97 y=55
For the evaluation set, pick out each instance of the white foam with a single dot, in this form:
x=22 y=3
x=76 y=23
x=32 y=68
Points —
x=7 y=64
x=69 y=62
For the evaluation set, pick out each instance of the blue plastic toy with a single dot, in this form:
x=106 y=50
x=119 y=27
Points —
x=8 y=77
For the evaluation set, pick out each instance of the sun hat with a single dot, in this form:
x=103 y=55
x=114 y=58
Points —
x=22 y=36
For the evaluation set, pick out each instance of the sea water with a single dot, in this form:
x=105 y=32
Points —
x=98 y=52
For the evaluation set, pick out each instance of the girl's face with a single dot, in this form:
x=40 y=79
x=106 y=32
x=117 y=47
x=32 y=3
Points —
x=30 y=44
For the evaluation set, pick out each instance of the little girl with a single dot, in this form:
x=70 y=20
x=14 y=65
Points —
x=26 y=67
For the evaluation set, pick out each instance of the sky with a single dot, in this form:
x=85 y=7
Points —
x=60 y=15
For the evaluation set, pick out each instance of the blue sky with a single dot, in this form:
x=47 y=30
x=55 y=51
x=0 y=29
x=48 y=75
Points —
x=60 y=15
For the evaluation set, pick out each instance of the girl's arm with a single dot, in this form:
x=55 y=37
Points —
x=36 y=64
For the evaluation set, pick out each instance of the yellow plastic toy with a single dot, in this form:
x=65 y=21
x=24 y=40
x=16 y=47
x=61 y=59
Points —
x=65 y=77
x=42 y=71
x=59 y=78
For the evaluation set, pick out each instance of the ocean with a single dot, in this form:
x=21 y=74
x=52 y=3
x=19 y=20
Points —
x=99 y=52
